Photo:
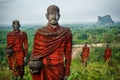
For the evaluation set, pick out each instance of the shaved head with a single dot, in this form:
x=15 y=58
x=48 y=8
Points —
x=53 y=8
x=16 y=21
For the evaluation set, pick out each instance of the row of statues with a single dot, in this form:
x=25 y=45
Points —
x=52 y=46
x=86 y=53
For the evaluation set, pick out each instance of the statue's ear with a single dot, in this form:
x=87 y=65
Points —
x=46 y=15
x=59 y=15
x=19 y=25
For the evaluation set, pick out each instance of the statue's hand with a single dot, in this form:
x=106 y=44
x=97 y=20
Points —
x=65 y=77
x=25 y=60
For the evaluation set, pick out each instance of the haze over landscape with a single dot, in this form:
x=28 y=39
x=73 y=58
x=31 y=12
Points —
x=33 y=11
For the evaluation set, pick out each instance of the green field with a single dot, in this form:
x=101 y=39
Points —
x=97 y=69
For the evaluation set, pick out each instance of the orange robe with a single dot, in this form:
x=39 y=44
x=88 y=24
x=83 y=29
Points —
x=107 y=54
x=18 y=42
x=85 y=53
x=58 y=42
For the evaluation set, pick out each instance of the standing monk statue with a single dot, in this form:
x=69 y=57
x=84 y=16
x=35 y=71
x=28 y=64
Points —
x=53 y=45
x=107 y=54
x=17 y=41
x=85 y=54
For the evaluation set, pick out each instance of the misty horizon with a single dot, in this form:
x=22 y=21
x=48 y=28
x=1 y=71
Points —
x=71 y=11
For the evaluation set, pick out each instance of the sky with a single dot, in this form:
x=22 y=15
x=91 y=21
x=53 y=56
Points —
x=33 y=11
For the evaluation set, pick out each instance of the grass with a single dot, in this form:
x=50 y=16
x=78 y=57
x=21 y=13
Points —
x=94 y=71
x=97 y=69
x=6 y=74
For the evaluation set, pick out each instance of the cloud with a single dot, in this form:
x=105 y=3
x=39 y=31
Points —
x=30 y=11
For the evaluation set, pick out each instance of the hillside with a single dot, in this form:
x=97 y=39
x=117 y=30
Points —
x=96 y=36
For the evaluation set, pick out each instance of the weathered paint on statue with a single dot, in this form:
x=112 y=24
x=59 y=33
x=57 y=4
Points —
x=18 y=41
x=85 y=55
x=107 y=54
x=57 y=41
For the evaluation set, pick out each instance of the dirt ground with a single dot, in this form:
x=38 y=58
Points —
x=77 y=49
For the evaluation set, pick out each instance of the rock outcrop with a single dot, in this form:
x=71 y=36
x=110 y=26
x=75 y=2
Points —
x=105 y=20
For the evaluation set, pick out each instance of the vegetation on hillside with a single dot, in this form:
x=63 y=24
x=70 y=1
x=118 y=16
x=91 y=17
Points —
x=97 y=69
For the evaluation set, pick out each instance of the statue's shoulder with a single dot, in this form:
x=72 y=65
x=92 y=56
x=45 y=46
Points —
x=10 y=33
x=41 y=29
x=65 y=28
x=23 y=32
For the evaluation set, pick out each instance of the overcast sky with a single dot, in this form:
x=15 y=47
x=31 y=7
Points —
x=33 y=11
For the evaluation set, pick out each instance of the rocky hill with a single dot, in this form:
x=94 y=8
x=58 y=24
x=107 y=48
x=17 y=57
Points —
x=105 y=20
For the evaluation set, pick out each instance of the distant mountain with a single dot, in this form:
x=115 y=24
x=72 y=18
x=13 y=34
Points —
x=105 y=20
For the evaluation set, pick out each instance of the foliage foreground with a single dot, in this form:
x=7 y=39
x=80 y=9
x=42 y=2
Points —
x=94 y=71
x=97 y=69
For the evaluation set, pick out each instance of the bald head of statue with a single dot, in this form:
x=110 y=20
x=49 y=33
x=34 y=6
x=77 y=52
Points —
x=53 y=14
x=16 y=25
x=53 y=8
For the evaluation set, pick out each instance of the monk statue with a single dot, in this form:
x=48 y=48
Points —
x=107 y=53
x=53 y=45
x=85 y=54
x=18 y=42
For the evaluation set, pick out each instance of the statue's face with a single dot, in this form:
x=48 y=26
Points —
x=53 y=17
x=16 y=25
